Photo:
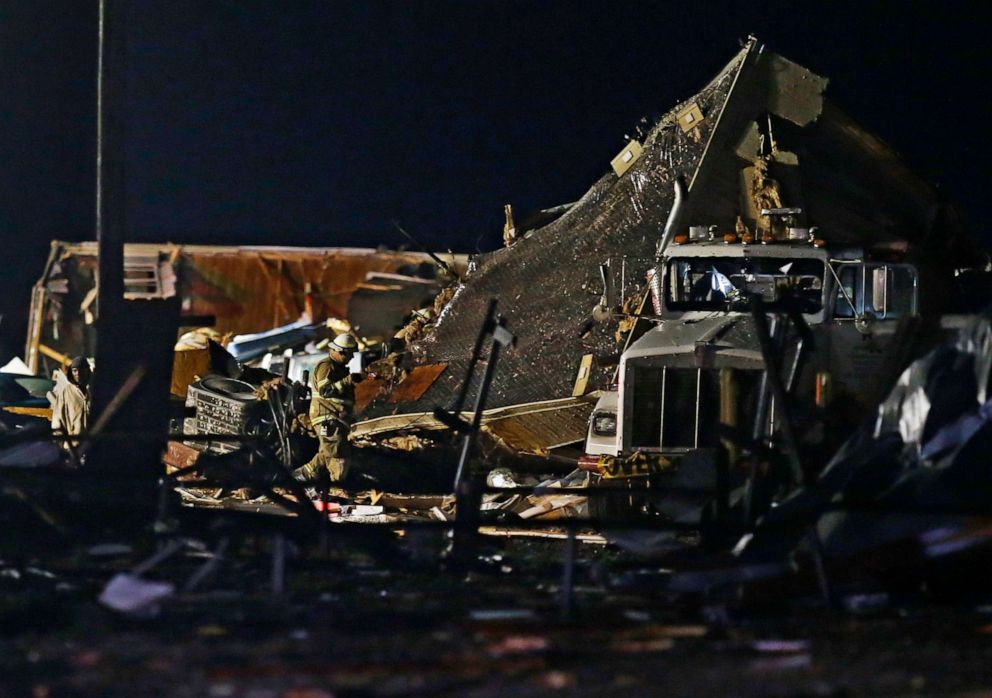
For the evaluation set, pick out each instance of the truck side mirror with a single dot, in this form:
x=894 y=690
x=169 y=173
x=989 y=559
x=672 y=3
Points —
x=880 y=290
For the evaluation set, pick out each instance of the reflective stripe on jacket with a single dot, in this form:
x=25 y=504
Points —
x=332 y=393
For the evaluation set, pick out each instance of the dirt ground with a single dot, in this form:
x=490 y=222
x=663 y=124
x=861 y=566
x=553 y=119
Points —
x=381 y=619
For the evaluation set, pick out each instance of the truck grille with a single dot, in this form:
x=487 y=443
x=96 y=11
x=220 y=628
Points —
x=679 y=408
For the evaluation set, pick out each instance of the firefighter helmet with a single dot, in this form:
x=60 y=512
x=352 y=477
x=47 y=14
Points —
x=343 y=344
x=425 y=314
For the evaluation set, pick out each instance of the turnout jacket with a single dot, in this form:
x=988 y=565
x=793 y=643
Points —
x=332 y=393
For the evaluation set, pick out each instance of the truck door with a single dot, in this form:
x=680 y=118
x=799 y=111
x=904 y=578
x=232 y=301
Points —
x=868 y=301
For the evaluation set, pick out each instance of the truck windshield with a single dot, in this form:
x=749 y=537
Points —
x=723 y=283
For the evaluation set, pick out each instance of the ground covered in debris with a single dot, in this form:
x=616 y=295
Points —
x=379 y=619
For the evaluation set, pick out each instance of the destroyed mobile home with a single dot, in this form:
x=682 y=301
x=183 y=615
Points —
x=681 y=351
x=231 y=290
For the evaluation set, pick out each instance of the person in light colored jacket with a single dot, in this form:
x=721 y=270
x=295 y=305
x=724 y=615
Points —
x=70 y=400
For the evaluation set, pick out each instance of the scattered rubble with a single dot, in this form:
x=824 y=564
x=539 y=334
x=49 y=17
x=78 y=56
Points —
x=471 y=482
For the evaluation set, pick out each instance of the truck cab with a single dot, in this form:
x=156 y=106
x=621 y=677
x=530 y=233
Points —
x=701 y=365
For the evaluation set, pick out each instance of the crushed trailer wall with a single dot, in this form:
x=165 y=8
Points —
x=244 y=289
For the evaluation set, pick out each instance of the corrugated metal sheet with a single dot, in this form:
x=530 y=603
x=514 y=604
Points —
x=258 y=290
x=253 y=291
x=534 y=427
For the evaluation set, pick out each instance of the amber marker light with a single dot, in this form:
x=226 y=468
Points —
x=824 y=389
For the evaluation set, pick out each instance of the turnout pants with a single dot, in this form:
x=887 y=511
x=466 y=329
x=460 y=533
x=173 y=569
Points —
x=330 y=455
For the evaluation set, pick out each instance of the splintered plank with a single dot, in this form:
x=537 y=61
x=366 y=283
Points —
x=187 y=366
x=417 y=382
x=553 y=534
x=367 y=391
x=178 y=455
x=537 y=428
x=40 y=412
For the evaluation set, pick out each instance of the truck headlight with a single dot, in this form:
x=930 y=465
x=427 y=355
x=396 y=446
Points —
x=604 y=424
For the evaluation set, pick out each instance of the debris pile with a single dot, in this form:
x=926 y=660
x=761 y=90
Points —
x=683 y=458
x=914 y=478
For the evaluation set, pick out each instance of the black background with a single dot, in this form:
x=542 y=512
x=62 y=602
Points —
x=317 y=123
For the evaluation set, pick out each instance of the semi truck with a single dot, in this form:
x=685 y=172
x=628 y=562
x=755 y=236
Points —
x=696 y=381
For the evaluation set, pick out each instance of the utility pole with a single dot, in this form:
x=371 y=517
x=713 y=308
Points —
x=134 y=338
x=110 y=187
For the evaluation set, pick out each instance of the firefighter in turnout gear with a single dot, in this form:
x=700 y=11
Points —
x=332 y=405
x=414 y=329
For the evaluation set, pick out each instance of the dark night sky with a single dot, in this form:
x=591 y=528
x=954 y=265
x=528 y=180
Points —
x=316 y=123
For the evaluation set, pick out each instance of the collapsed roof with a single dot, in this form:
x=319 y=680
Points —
x=760 y=106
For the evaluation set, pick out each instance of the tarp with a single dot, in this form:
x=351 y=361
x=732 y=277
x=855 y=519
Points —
x=17 y=366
